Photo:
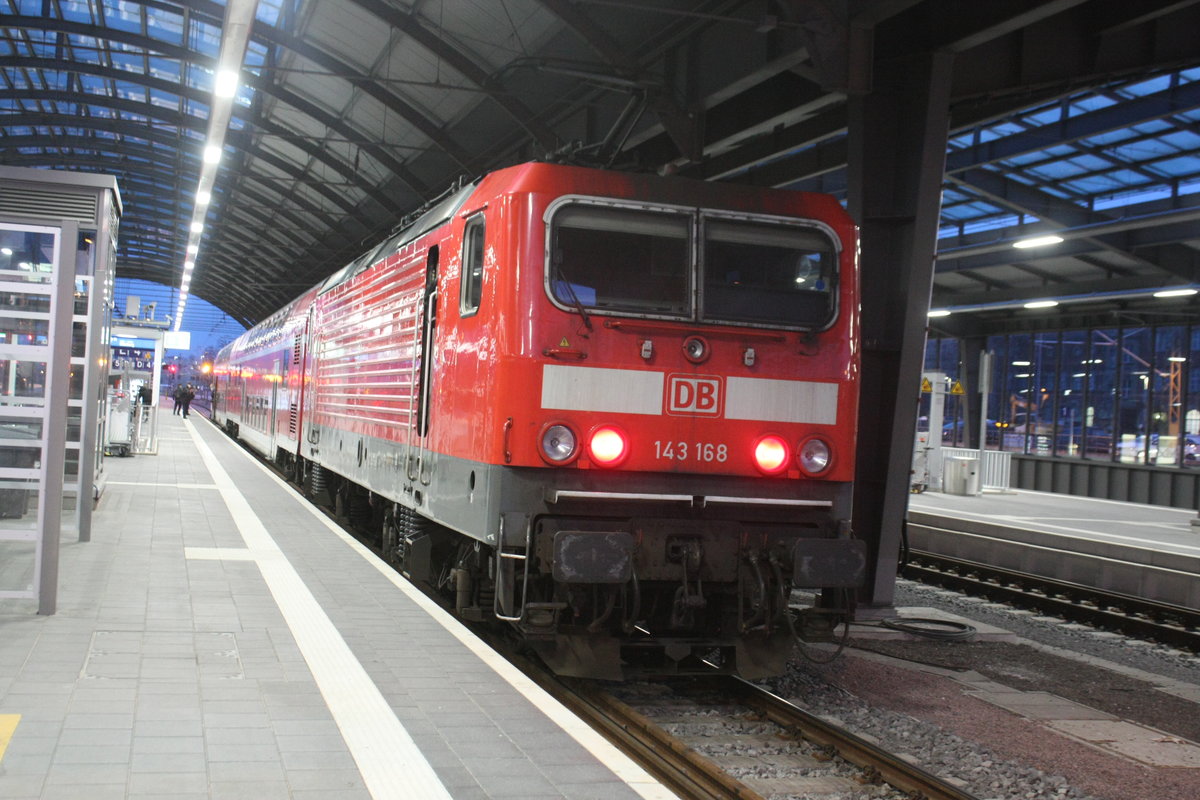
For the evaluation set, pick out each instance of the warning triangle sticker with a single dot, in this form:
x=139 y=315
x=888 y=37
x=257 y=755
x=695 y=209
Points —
x=564 y=342
x=957 y=388
x=926 y=386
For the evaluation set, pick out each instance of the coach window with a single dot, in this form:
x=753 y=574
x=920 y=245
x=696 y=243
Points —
x=472 y=266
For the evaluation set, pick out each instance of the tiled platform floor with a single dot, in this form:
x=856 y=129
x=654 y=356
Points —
x=217 y=639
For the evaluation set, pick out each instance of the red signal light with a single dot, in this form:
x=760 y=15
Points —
x=771 y=454
x=607 y=446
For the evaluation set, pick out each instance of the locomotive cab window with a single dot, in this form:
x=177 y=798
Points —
x=472 y=266
x=766 y=273
x=616 y=259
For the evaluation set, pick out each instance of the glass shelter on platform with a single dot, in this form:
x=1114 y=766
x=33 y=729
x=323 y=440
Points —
x=58 y=235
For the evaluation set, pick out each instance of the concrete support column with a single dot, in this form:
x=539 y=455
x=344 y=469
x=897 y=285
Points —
x=897 y=149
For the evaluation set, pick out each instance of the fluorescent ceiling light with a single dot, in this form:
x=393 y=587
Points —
x=1020 y=363
x=193 y=248
x=1177 y=359
x=1038 y=241
x=939 y=312
x=188 y=265
x=226 y=83
x=212 y=154
x=1176 y=293
x=197 y=227
x=1042 y=304
x=203 y=198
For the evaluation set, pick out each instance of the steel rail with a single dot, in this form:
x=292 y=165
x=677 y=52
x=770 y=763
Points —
x=890 y=768
x=677 y=766
x=1178 y=626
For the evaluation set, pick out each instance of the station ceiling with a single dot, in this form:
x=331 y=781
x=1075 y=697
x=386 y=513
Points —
x=1080 y=117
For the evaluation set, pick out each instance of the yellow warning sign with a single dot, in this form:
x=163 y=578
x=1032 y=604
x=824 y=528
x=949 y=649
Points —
x=564 y=342
x=957 y=388
x=926 y=386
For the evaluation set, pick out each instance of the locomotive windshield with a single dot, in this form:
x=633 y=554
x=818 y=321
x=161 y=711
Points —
x=620 y=259
x=645 y=261
x=766 y=273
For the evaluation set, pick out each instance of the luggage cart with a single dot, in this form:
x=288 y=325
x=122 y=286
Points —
x=118 y=439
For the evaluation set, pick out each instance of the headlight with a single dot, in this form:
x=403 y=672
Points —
x=559 y=444
x=814 y=456
x=695 y=349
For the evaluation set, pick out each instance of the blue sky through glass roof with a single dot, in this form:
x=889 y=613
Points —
x=1117 y=168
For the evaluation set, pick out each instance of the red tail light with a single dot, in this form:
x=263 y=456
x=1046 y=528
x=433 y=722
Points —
x=608 y=446
x=771 y=454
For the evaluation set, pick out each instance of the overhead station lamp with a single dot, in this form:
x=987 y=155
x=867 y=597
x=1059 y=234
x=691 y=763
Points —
x=1038 y=241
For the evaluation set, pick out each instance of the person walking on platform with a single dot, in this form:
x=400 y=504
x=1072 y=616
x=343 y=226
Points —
x=177 y=395
x=186 y=399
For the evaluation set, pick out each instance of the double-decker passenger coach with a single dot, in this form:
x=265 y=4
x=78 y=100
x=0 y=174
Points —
x=616 y=411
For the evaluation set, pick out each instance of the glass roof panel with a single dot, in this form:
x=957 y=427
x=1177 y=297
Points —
x=1122 y=199
x=93 y=84
x=164 y=68
x=206 y=39
x=164 y=100
x=1111 y=137
x=131 y=91
x=1182 y=139
x=991 y=223
x=267 y=11
x=129 y=62
x=195 y=109
x=1150 y=86
x=164 y=25
x=16 y=78
x=123 y=16
x=1184 y=165
x=1088 y=104
x=199 y=78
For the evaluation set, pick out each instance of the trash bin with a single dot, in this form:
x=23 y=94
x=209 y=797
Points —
x=961 y=476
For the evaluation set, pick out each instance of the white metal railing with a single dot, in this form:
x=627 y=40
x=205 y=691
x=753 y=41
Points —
x=995 y=471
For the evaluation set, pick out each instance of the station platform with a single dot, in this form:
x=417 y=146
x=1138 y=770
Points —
x=219 y=638
x=1151 y=552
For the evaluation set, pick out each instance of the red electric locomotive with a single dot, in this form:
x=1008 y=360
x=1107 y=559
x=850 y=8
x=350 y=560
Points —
x=616 y=411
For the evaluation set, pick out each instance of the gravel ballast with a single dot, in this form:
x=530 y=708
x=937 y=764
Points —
x=903 y=694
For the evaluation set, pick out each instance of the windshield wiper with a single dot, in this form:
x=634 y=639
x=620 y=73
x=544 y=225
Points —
x=565 y=281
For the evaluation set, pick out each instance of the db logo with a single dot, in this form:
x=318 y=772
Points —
x=694 y=395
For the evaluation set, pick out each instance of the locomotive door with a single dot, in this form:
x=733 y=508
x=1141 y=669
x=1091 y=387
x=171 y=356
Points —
x=425 y=355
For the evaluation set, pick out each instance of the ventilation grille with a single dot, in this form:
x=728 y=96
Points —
x=293 y=419
x=296 y=350
x=41 y=204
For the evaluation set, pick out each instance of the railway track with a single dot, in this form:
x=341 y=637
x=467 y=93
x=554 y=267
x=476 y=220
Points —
x=1145 y=619
x=723 y=737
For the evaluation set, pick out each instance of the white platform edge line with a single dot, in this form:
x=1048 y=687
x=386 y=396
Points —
x=624 y=767
x=390 y=763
